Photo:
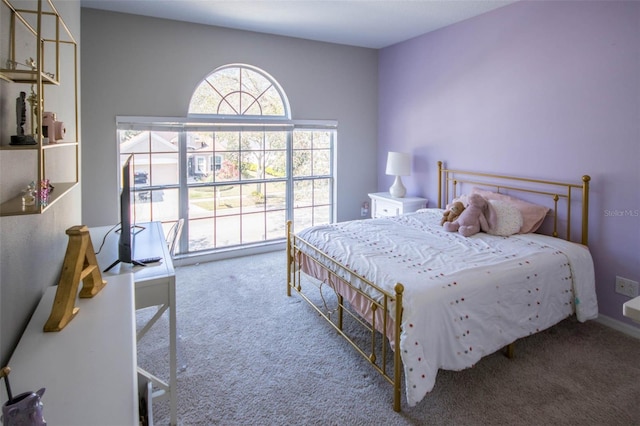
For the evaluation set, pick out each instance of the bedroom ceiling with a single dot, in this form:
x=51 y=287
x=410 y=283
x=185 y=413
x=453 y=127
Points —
x=373 y=24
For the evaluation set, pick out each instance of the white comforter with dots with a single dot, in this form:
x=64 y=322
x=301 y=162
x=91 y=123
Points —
x=464 y=298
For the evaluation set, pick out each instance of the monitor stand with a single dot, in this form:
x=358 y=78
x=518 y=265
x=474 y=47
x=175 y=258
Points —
x=135 y=230
x=133 y=262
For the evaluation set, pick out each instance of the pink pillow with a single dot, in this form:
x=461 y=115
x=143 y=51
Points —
x=532 y=214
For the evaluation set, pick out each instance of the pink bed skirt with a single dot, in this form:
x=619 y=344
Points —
x=359 y=303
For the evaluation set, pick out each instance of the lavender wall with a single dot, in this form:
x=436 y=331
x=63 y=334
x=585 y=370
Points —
x=540 y=89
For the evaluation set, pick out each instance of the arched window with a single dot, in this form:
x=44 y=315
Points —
x=239 y=90
x=236 y=168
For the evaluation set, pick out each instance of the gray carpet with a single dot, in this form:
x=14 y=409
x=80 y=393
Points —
x=248 y=354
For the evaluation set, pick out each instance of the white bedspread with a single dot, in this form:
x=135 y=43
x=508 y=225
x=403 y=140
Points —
x=464 y=297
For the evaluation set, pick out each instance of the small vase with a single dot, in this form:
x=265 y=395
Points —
x=29 y=195
x=24 y=410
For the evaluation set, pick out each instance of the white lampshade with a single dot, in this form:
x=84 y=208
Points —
x=398 y=164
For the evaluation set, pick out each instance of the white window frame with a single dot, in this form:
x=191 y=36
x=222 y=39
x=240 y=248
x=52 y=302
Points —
x=182 y=125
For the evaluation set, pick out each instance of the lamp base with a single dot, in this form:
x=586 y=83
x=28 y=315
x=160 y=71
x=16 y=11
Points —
x=397 y=190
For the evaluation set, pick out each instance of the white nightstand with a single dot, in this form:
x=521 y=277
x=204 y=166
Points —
x=384 y=205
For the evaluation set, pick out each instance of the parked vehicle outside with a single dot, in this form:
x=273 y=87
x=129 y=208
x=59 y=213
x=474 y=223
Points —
x=141 y=179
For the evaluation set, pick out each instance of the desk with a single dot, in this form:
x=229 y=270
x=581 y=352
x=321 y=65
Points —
x=89 y=367
x=155 y=285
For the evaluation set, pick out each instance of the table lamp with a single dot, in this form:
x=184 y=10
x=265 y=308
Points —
x=398 y=164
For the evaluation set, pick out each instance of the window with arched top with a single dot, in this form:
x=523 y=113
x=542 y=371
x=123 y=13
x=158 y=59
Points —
x=236 y=167
x=239 y=90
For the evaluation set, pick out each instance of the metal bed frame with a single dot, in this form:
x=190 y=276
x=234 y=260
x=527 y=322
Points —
x=386 y=307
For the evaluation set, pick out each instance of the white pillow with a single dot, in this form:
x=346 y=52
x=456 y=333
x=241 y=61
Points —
x=507 y=220
x=532 y=214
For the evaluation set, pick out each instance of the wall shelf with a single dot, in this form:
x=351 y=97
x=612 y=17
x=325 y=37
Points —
x=14 y=207
x=26 y=77
x=35 y=147
x=37 y=29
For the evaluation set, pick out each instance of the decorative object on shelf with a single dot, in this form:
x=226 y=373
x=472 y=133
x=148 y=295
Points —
x=45 y=188
x=21 y=119
x=23 y=410
x=52 y=129
x=34 y=101
x=29 y=195
x=398 y=164
x=80 y=263
x=30 y=64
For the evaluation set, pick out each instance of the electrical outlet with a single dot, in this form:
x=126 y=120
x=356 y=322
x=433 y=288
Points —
x=627 y=287
x=364 y=210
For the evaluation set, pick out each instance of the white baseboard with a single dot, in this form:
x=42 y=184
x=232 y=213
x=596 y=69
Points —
x=214 y=255
x=625 y=328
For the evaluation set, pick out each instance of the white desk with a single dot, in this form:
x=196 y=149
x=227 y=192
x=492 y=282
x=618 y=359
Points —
x=155 y=285
x=89 y=367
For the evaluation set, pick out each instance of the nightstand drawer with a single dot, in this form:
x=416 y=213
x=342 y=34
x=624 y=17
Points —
x=384 y=205
x=385 y=209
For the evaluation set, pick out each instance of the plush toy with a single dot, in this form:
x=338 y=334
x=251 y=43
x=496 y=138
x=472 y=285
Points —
x=452 y=212
x=472 y=220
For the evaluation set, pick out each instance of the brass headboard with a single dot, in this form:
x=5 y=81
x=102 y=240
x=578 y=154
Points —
x=449 y=181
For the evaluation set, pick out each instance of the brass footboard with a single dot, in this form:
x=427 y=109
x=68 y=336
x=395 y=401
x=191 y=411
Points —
x=385 y=308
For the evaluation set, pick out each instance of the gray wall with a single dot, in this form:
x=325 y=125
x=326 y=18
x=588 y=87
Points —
x=32 y=247
x=135 y=65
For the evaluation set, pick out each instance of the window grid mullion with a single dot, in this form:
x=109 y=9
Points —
x=183 y=192
x=199 y=162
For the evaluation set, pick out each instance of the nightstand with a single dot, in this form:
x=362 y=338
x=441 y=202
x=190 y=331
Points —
x=384 y=205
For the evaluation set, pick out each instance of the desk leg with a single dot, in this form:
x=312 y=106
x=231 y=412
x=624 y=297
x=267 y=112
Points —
x=173 y=401
x=165 y=390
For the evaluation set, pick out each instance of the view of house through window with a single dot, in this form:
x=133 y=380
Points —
x=236 y=168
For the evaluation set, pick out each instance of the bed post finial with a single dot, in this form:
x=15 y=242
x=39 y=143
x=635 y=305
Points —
x=439 y=184
x=585 y=209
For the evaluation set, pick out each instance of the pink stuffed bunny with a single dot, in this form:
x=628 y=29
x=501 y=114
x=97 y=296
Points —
x=472 y=220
